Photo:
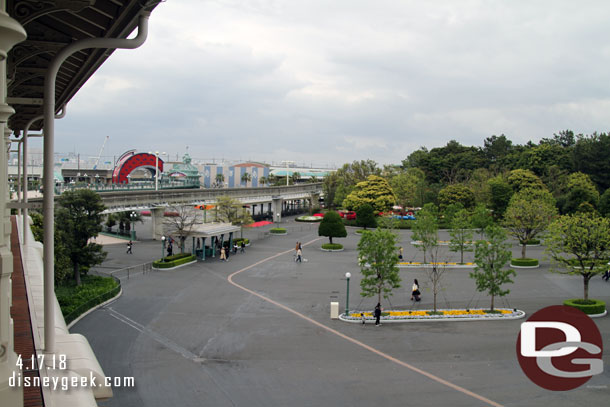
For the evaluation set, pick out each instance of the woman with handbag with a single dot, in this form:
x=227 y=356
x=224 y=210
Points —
x=415 y=293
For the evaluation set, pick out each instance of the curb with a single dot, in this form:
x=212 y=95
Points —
x=174 y=268
x=603 y=314
x=278 y=234
x=525 y=267
x=90 y=310
x=332 y=250
x=428 y=265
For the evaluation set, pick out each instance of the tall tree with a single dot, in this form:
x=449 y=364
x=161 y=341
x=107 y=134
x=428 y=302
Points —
x=245 y=178
x=378 y=261
x=456 y=193
x=490 y=257
x=332 y=226
x=365 y=217
x=520 y=179
x=232 y=211
x=425 y=229
x=375 y=191
x=500 y=193
x=580 y=243
x=78 y=219
x=580 y=189
x=481 y=218
x=461 y=234
x=528 y=214
x=185 y=219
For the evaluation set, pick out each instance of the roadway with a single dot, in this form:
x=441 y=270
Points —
x=190 y=338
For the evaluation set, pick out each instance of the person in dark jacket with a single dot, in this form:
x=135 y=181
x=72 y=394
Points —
x=377 y=314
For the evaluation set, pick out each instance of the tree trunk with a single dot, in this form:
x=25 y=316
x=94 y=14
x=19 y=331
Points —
x=492 y=302
x=586 y=283
x=523 y=247
x=462 y=255
x=379 y=296
x=331 y=239
x=76 y=274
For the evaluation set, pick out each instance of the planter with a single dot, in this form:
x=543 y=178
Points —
x=175 y=261
x=524 y=263
x=589 y=307
x=278 y=231
x=395 y=316
x=332 y=247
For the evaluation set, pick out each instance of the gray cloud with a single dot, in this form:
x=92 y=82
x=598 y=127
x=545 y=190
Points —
x=331 y=82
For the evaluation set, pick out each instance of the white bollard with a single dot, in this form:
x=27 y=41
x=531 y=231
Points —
x=334 y=310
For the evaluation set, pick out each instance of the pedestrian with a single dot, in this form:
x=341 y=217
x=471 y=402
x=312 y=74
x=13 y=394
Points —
x=377 y=314
x=299 y=254
x=300 y=245
x=415 y=293
x=129 y=246
x=296 y=248
x=362 y=318
x=243 y=246
x=606 y=275
x=170 y=249
x=227 y=251
x=223 y=254
x=400 y=253
x=235 y=248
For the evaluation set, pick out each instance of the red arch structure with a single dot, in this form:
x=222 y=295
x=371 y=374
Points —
x=131 y=160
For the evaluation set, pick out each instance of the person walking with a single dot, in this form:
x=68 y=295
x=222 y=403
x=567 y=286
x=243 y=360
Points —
x=227 y=251
x=129 y=246
x=415 y=293
x=606 y=275
x=299 y=256
x=377 y=314
x=223 y=254
x=243 y=246
x=400 y=253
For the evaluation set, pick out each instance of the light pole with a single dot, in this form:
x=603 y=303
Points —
x=347 y=276
x=163 y=249
x=157 y=168
x=133 y=216
x=287 y=162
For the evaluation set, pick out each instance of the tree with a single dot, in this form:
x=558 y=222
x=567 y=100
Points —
x=378 y=261
x=461 y=234
x=329 y=186
x=365 y=217
x=425 y=229
x=456 y=193
x=263 y=180
x=580 y=189
x=111 y=220
x=295 y=177
x=604 y=203
x=409 y=187
x=529 y=213
x=332 y=226
x=520 y=179
x=375 y=191
x=63 y=267
x=245 y=178
x=232 y=211
x=490 y=257
x=220 y=179
x=500 y=192
x=78 y=219
x=581 y=244
x=481 y=218
x=182 y=223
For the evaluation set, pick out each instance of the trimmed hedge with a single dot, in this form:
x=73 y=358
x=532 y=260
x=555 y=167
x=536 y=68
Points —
x=174 y=261
x=524 y=262
x=589 y=307
x=240 y=239
x=279 y=231
x=332 y=246
x=75 y=300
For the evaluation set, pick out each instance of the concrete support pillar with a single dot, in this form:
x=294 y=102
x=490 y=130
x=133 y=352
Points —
x=157 y=223
x=12 y=33
x=203 y=248
x=277 y=204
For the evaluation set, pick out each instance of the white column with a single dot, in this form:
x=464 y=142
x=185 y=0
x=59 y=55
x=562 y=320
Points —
x=11 y=33
x=156 y=216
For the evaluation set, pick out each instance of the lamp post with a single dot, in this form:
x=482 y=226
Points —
x=287 y=162
x=133 y=216
x=163 y=249
x=347 y=276
x=156 y=153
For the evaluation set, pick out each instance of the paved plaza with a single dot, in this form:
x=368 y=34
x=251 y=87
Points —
x=192 y=338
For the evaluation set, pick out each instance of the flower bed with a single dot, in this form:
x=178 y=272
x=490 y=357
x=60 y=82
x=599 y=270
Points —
x=441 y=314
x=414 y=264
x=308 y=219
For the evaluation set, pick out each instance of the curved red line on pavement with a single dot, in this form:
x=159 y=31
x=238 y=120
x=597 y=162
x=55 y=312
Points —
x=349 y=338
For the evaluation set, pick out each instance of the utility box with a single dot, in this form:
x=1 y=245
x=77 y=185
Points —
x=334 y=310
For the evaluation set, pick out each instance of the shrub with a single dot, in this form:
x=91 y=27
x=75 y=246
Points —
x=533 y=241
x=240 y=239
x=174 y=261
x=277 y=231
x=524 y=262
x=360 y=231
x=75 y=300
x=589 y=307
x=332 y=246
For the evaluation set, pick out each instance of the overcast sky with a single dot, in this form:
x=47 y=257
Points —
x=328 y=82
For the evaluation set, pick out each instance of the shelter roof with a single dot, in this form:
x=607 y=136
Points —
x=213 y=229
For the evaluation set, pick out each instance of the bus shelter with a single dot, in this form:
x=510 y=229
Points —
x=208 y=238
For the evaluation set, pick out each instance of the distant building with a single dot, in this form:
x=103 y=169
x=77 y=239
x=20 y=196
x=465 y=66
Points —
x=232 y=176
